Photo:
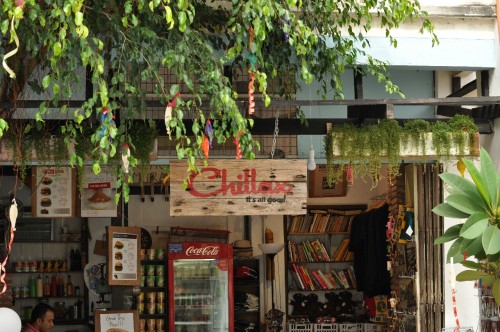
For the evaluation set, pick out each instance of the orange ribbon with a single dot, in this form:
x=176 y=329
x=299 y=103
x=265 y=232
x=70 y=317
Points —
x=251 y=90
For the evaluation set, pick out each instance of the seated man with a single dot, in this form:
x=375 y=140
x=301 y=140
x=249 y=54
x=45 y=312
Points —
x=42 y=319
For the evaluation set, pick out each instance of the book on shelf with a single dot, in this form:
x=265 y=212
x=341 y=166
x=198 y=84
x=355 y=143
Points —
x=341 y=251
x=326 y=280
x=308 y=251
x=352 y=276
x=323 y=221
x=296 y=276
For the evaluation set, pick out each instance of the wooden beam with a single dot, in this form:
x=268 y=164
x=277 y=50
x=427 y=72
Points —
x=453 y=101
x=466 y=89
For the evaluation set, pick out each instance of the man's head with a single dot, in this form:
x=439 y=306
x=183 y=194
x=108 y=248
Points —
x=42 y=317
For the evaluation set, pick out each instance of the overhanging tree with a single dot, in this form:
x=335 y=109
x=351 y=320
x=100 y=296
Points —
x=124 y=43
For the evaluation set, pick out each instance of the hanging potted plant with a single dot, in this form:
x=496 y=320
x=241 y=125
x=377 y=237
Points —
x=367 y=147
x=478 y=203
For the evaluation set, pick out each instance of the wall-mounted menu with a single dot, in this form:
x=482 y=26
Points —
x=123 y=255
x=54 y=189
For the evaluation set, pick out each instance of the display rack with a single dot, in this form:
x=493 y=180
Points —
x=246 y=294
x=50 y=255
x=320 y=264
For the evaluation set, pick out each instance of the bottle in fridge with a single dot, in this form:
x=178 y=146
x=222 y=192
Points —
x=200 y=287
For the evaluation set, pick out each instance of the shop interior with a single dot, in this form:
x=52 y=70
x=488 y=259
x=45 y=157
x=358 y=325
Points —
x=74 y=251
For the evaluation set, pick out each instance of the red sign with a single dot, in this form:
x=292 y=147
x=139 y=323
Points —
x=245 y=184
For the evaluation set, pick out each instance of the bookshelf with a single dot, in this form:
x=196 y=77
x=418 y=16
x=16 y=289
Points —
x=317 y=254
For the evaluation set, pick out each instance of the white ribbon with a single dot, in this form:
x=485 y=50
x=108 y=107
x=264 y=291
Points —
x=11 y=53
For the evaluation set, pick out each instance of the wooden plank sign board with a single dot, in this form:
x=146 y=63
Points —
x=239 y=187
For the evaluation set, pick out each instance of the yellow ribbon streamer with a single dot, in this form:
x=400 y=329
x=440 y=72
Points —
x=11 y=53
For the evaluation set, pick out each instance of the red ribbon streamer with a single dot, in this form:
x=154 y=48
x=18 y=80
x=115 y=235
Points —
x=3 y=270
x=236 y=142
x=455 y=312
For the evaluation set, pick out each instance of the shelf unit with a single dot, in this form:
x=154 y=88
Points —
x=153 y=294
x=34 y=251
x=246 y=294
x=320 y=266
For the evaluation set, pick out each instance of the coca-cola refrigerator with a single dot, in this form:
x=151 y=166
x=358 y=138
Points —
x=200 y=287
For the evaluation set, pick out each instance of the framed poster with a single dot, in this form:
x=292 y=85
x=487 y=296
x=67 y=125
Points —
x=124 y=265
x=318 y=185
x=54 y=189
x=116 y=321
x=98 y=192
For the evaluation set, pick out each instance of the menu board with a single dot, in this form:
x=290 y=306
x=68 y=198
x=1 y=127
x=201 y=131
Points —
x=117 y=321
x=53 y=192
x=98 y=191
x=123 y=255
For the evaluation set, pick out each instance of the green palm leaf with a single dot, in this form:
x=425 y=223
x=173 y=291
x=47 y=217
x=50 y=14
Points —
x=489 y=175
x=451 y=233
x=464 y=203
x=470 y=275
x=491 y=240
x=461 y=184
x=474 y=226
x=473 y=265
x=474 y=248
x=478 y=180
x=446 y=210
x=496 y=290
x=455 y=251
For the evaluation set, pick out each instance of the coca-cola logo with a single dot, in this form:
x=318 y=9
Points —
x=202 y=251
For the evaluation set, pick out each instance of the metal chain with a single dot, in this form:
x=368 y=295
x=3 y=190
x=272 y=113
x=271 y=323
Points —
x=276 y=131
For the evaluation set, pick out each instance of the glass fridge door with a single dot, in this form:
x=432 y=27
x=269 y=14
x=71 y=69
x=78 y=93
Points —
x=201 y=295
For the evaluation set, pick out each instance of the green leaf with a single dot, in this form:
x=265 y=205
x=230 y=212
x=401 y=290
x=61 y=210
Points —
x=489 y=175
x=96 y=168
x=488 y=280
x=451 y=234
x=472 y=265
x=496 y=290
x=46 y=81
x=474 y=248
x=454 y=249
x=446 y=210
x=55 y=89
x=478 y=180
x=471 y=275
x=57 y=48
x=464 y=203
x=462 y=184
x=78 y=18
x=474 y=226
x=491 y=240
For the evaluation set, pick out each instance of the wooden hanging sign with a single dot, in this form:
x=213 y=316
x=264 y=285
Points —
x=239 y=187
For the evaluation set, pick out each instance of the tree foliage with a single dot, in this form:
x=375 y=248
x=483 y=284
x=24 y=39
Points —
x=121 y=44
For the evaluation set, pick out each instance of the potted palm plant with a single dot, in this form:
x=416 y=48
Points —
x=478 y=203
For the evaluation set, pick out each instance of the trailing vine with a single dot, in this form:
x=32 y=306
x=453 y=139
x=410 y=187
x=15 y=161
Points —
x=367 y=147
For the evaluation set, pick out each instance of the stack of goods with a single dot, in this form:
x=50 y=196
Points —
x=241 y=326
x=242 y=248
x=245 y=302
